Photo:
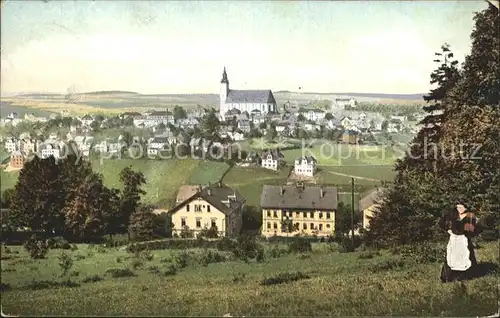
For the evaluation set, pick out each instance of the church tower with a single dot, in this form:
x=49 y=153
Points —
x=224 y=91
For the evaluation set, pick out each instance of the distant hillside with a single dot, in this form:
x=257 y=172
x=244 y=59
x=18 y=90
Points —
x=364 y=95
x=109 y=93
x=386 y=96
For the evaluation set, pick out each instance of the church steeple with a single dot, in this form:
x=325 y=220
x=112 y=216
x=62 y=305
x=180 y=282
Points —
x=224 y=79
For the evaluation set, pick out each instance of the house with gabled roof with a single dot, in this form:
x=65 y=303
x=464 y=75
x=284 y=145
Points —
x=272 y=159
x=305 y=166
x=297 y=209
x=203 y=207
x=369 y=203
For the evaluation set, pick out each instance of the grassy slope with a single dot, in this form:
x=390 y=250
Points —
x=163 y=177
x=340 y=284
x=250 y=181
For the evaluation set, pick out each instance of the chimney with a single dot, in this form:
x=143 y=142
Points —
x=209 y=191
x=282 y=190
x=322 y=192
x=220 y=184
x=199 y=188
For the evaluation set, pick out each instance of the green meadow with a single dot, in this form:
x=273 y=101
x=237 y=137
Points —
x=362 y=283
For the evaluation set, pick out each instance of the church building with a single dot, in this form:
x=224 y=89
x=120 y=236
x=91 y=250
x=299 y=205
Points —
x=252 y=101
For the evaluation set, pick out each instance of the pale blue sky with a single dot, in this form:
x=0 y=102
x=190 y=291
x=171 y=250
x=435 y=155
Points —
x=181 y=47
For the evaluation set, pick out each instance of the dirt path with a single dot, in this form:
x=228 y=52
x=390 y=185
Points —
x=355 y=177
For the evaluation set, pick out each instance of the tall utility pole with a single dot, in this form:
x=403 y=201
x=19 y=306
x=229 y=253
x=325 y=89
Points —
x=352 y=211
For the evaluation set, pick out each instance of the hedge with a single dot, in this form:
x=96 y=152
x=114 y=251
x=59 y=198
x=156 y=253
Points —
x=224 y=244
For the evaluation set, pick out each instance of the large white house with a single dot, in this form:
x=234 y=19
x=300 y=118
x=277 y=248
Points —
x=305 y=166
x=245 y=100
x=272 y=159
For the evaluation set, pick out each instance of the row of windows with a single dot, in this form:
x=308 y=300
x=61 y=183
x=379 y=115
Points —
x=274 y=213
x=198 y=207
x=312 y=226
x=304 y=170
x=213 y=222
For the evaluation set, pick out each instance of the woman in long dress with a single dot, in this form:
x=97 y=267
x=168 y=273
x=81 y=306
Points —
x=460 y=263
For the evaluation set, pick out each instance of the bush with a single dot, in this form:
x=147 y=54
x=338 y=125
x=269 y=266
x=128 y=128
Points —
x=154 y=270
x=119 y=259
x=225 y=244
x=74 y=247
x=422 y=253
x=36 y=246
x=120 y=272
x=4 y=286
x=92 y=279
x=247 y=248
x=74 y=273
x=238 y=277
x=136 y=263
x=303 y=256
x=489 y=235
x=170 y=270
x=79 y=257
x=276 y=251
x=58 y=242
x=387 y=265
x=300 y=245
x=44 y=284
x=284 y=278
x=209 y=232
x=179 y=244
x=208 y=257
x=368 y=254
x=65 y=263
x=146 y=255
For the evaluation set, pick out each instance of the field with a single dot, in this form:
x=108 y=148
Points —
x=163 y=177
x=332 y=154
x=339 y=284
x=250 y=181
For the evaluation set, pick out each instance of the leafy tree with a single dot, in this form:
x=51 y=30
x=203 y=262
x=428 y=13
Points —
x=271 y=132
x=210 y=124
x=262 y=126
x=131 y=194
x=75 y=122
x=329 y=116
x=343 y=223
x=385 y=125
x=43 y=189
x=7 y=197
x=161 y=127
x=179 y=113
x=84 y=215
x=425 y=187
x=141 y=226
x=301 y=118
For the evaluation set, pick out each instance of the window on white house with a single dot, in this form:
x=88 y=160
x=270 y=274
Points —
x=321 y=227
x=269 y=213
x=187 y=207
x=275 y=214
x=304 y=226
x=275 y=225
x=311 y=214
x=198 y=222
x=320 y=214
x=328 y=226
x=197 y=208
x=183 y=222
x=268 y=225
x=214 y=223
x=312 y=226
x=208 y=208
x=328 y=215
